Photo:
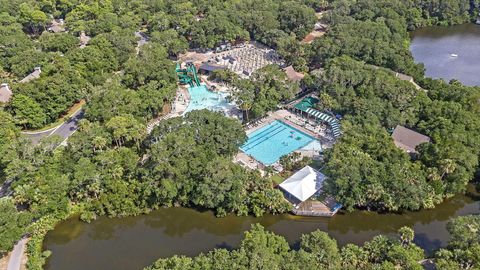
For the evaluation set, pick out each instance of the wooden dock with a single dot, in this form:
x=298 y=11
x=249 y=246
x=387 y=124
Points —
x=326 y=208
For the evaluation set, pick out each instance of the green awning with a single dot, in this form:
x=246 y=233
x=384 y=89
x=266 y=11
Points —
x=333 y=122
x=306 y=103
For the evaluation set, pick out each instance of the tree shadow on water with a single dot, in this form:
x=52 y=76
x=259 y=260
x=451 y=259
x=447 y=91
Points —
x=226 y=246
x=428 y=244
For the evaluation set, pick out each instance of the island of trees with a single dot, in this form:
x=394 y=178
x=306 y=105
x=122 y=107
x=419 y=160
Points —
x=111 y=166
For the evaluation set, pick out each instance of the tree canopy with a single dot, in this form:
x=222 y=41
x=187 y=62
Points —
x=261 y=249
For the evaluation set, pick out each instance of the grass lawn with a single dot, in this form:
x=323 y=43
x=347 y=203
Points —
x=277 y=179
x=62 y=119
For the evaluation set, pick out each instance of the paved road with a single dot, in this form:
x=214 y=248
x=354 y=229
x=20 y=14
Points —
x=16 y=256
x=64 y=130
x=5 y=189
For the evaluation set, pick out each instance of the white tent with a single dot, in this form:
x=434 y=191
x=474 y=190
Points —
x=304 y=183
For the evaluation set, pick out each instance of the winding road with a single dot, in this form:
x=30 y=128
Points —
x=64 y=130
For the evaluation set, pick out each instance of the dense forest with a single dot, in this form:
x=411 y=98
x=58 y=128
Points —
x=365 y=168
x=112 y=167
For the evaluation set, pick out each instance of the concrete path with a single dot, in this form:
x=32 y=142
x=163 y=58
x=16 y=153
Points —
x=15 y=261
x=179 y=106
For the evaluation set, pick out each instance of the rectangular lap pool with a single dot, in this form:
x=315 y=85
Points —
x=274 y=140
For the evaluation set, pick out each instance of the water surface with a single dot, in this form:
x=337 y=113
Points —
x=202 y=98
x=269 y=143
x=435 y=47
x=134 y=242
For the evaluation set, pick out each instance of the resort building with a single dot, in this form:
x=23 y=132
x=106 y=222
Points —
x=303 y=188
x=408 y=139
x=293 y=75
x=5 y=93
x=32 y=76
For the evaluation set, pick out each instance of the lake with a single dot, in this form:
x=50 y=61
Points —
x=434 y=46
x=132 y=243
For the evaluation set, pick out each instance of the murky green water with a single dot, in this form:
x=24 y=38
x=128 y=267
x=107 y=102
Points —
x=134 y=242
x=436 y=47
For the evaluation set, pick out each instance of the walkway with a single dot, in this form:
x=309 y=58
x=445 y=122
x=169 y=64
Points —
x=142 y=40
x=401 y=76
x=16 y=256
x=178 y=108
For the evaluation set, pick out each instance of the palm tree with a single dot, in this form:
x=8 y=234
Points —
x=447 y=166
x=99 y=143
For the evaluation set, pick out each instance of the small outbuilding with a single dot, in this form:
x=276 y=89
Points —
x=303 y=184
x=301 y=187
x=32 y=76
x=407 y=139
x=207 y=68
x=293 y=75
x=84 y=39
x=57 y=26
x=5 y=93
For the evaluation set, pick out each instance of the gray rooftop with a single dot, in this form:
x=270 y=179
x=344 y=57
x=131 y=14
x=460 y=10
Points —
x=408 y=139
x=32 y=76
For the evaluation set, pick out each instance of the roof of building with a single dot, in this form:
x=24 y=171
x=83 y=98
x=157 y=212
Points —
x=84 y=39
x=408 y=139
x=304 y=183
x=142 y=38
x=32 y=76
x=308 y=39
x=306 y=103
x=57 y=26
x=5 y=93
x=332 y=121
x=211 y=67
x=293 y=75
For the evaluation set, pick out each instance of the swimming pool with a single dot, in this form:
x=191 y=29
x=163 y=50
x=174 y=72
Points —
x=274 y=140
x=201 y=98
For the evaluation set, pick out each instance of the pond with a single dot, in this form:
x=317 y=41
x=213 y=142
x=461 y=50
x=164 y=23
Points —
x=134 y=242
x=449 y=52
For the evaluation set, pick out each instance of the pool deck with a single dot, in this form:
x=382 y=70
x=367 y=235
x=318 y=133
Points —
x=294 y=121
